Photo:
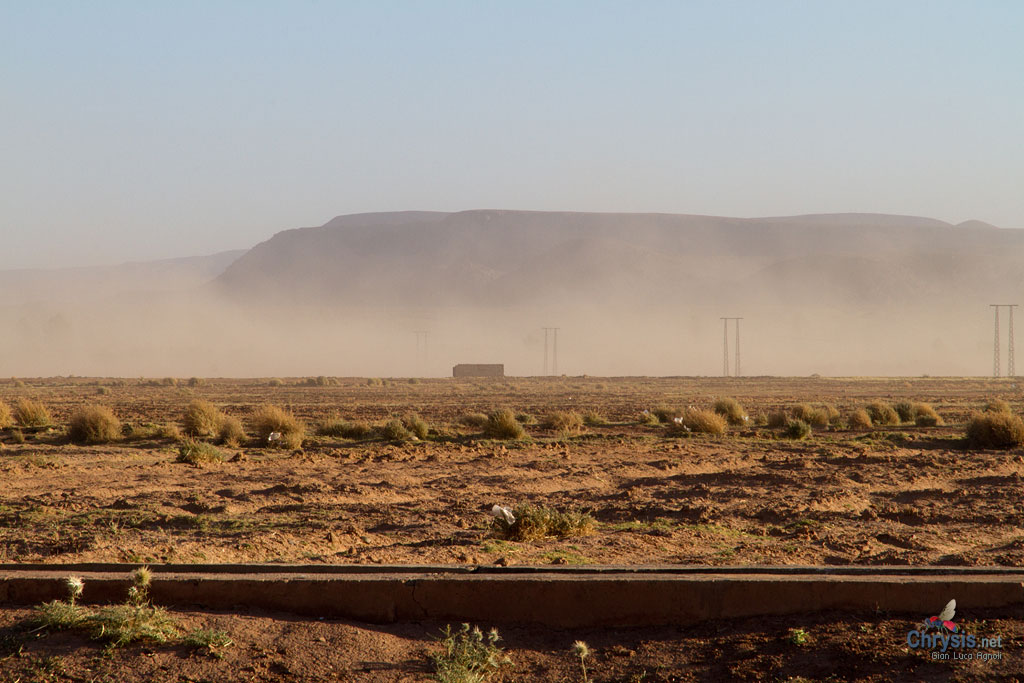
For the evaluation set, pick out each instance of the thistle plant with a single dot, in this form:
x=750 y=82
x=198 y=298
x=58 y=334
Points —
x=469 y=656
x=75 y=586
x=582 y=650
x=138 y=594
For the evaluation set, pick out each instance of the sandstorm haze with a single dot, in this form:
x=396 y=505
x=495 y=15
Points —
x=171 y=172
x=632 y=294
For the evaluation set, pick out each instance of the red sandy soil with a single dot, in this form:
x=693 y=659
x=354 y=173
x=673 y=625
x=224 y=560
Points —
x=889 y=495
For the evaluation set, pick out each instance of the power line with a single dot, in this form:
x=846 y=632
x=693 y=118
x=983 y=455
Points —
x=421 y=348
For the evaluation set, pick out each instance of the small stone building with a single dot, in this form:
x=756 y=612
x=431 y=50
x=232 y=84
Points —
x=479 y=370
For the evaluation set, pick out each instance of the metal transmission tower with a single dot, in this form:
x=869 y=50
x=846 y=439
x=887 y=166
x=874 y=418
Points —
x=554 y=356
x=738 y=373
x=725 y=346
x=996 y=361
x=552 y=333
x=1011 y=371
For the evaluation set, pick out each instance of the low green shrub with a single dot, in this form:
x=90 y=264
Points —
x=468 y=656
x=532 y=523
x=199 y=453
x=797 y=429
x=395 y=430
x=344 y=429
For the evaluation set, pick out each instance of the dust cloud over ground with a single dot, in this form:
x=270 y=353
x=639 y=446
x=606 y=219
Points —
x=632 y=294
x=202 y=337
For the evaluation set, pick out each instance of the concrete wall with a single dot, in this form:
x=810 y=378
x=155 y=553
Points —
x=569 y=597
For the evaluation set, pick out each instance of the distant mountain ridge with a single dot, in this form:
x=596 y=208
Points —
x=136 y=277
x=497 y=258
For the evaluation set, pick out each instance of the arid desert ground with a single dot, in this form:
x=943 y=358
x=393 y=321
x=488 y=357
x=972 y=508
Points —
x=648 y=493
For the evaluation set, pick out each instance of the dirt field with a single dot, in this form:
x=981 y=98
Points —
x=887 y=495
x=892 y=495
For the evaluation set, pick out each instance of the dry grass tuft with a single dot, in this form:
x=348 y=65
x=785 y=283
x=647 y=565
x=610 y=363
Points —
x=998 y=405
x=202 y=419
x=565 y=422
x=231 y=433
x=731 y=410
x=417 y=425
x=648 y=418
x=698 y=421
x=925 y=416
x=94 y=425
x=859 y=419
x=269 y=419
x=882 y=413
x=502 y=424
x=905 y=409
x=6 y=419
x=995 y=430
x=474 y=420
x=410 y=427
x=777 y=419
x=29 y=413
x=666 y=414
x=816 y=416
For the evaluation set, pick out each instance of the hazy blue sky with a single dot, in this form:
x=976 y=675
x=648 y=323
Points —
x=133 y=130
